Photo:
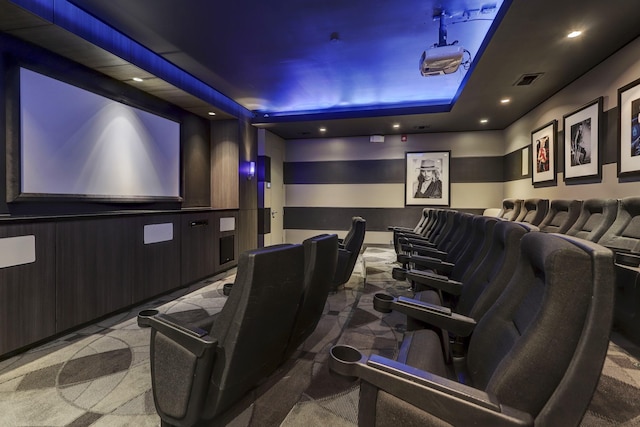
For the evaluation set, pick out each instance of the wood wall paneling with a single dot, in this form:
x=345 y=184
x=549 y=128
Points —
x=224 y=165
x=196 y=161
x=27 y=292
x=95 y=268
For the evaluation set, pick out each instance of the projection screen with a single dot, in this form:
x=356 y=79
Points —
x=77 y=143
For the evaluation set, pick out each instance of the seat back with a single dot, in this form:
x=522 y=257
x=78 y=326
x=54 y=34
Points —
x=320 y=259
x=561 y=216
x=596 y=216
x=526 y=350
x=533 y=211
x=624 y=233
x=348 y=254
x=254 y=326
x=510 y=209
x=487 y=282
x=479 y=244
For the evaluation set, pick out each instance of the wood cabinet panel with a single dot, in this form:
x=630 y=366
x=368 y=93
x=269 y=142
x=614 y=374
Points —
x=27 y=291
x=199 y=249
x=157 y=265
x=95 y=268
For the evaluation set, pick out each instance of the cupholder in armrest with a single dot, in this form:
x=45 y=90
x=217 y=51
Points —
x=382 y=302
x=344 y=359
x=399 y=273
x=226 y=289
x=144 y=315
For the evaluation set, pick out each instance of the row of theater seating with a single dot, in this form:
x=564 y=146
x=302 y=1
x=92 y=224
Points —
x=508 y=326
x=200 y=369
x=612 y=223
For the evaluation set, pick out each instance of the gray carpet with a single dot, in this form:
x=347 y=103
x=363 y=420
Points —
x=99 y=376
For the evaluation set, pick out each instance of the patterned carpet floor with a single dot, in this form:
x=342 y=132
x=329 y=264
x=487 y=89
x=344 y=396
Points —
x=99 y=376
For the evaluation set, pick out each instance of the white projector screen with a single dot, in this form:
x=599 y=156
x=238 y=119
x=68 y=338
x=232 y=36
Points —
x=77 y=143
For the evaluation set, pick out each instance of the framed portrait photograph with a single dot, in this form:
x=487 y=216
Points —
x=427 y=178
x=629 y=129
x=543 y=149
x=582 y=141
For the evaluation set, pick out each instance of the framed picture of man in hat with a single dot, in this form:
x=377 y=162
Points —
x=427 y=178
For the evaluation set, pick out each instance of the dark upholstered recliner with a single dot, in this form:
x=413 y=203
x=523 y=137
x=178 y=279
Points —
x=596 y=216
x=321 y=257
x=479 y=289
x=349 y=251
x=198 y=374
x=533 y=359
x=510 y=209
x=561 y=216
x=623 y=237
x=533 y=211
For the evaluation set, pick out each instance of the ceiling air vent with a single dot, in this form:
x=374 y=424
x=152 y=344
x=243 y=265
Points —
x=527 y=79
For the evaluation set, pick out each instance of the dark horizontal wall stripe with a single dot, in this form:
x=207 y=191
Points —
x=392 y=171
x=610 y=136
x=378 y=219
x=346 y=172
x=477 y=169
x=513 y=166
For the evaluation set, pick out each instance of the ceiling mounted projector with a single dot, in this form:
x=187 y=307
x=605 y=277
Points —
x=440 y=60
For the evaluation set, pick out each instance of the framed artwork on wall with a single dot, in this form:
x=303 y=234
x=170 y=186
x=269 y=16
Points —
x=582 y=142
x=629 y=129
x=543 y=149
x=427 y=178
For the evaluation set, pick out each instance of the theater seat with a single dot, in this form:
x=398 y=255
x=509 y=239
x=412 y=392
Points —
x=533 y=359
x=349 y=251
x=561 y=216
x=510 y=209
x=198 y=374
x=623 y=237
x=596 y=216
x=321 y=256
x=533 y=211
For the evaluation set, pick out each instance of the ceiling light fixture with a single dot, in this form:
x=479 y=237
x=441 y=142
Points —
x=505 y=100
x=484 y=121
x=574 y=34
x=396 y=126
x=211 y=113
x=137 y=79
x=323 y=129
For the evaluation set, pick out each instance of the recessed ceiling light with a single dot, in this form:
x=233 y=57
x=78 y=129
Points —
x=396 y=125
x=137 y=79
x=211 y=113
x=574 y=34
x=323 y=129
x=505 y=100
x=484 y=121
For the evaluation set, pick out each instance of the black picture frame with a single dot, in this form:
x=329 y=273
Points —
x=583 y=142
x=629 y=130
x=544 y=146
x=427 y=178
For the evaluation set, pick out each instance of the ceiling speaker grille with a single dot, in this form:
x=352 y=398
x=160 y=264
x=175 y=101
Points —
x=527 y=79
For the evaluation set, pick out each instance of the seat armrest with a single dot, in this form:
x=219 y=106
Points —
x=436 y=315
x=442 y=267
x=194 y=339
x=443 y=283
x=427 y=251
x=452 y=402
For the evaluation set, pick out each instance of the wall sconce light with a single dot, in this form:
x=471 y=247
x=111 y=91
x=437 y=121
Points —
x=252 y=170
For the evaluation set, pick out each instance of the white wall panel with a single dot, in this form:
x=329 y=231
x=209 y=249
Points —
x=345 y=195
x=461 y=144
x=17 y=251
